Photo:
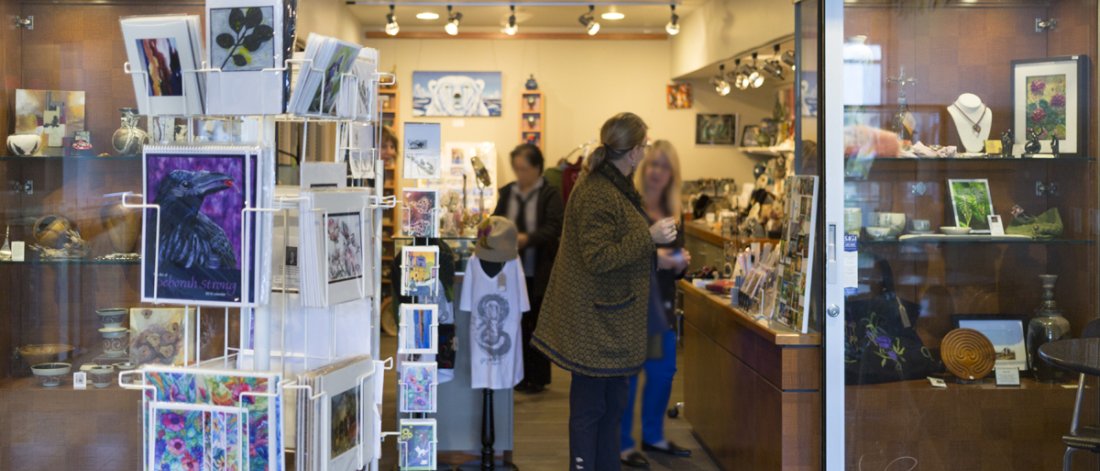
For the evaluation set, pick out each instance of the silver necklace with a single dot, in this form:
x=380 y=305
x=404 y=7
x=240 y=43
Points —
x=975 y=124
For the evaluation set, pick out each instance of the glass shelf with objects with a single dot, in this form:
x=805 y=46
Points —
x=969 y=170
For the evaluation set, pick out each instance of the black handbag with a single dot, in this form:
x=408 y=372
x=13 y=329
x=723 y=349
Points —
x=881 y=344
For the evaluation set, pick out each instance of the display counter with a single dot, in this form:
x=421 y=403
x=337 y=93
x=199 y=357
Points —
x=707 y=245
x=751 y=389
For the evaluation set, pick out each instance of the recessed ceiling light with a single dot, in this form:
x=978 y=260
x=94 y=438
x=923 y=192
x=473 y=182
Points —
x=613 y=15
x=427 y=15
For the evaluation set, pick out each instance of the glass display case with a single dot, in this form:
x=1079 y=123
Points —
x=962 y=182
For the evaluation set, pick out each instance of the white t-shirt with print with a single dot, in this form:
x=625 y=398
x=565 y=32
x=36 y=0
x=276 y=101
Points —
x=495 y=305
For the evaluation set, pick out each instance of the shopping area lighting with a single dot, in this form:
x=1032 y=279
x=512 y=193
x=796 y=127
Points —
x=788 y=58
x=511 y=28
x=673 y=26
x=756 y=79
x=452 y=21
x=741 y=75
x=392 y=27
x=427 y=16
x=773 y=67
x=588 y=20
x=613 y=15
x=721 y=85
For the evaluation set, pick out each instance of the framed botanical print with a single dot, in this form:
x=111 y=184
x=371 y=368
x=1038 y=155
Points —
x=1050 y=101
x=971 y=203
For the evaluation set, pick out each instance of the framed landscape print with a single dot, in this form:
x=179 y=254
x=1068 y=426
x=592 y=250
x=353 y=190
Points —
x=1049 y=98
x=971 y=203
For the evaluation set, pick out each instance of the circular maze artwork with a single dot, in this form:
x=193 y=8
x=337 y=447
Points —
x=967 y=354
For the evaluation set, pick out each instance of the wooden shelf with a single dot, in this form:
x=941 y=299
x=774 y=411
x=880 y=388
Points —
x=972 y=240
x=57 y=158
x=774 y=333
x=71 y=261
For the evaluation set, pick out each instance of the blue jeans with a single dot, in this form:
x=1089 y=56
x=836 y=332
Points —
x=655 y=395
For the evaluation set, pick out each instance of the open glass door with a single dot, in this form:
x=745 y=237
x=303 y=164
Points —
x=960 y=152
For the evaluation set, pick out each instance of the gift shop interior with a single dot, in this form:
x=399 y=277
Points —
x=653 y=234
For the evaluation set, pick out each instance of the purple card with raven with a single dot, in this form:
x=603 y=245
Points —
x=198 y=252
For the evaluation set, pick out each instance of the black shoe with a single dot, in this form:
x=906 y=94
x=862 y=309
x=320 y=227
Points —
x=635 y=460
x=673 y=449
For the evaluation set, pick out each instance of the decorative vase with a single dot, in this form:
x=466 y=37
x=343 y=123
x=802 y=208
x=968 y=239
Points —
x=115 y=341
x=111 y=316
x=129 y=138
x=1048 y=325
x=21 y=145
x=531 y=83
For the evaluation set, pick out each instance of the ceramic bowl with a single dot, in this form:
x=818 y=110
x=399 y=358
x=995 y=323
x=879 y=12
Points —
x=111 y=316
x=101 y=376
x=955 y=230
x=51 y=374
x=895 y=221
x=880 y=232
x=114 y=341
x=23 y=144
x=45 y=352
x=921 y=226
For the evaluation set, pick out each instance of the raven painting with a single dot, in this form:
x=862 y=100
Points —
x=188 y=238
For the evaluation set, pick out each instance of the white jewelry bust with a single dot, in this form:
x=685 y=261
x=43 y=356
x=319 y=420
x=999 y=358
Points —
x=972 y=120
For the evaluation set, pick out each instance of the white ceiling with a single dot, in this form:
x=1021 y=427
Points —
x=644 y=16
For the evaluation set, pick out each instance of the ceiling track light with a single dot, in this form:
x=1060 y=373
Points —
x=392 y=28
x=773 y=67
x=721 y=85
x=673 y=26
x=588 y=20
x=756 y=79
x=788 y=58
x=740 y=75
x=511 y=28
x=452 y=21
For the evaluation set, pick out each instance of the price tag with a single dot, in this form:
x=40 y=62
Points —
x=937 y=383
x=1007 y=375
x=80 y=380
x=18 y=251
x=996 y=226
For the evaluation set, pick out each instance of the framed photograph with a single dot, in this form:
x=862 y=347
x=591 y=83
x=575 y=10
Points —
x=422 y=151
x=678 y=96
x=971 y=203
x=417 y=333
x=464 y=94
x=1006 y=332
x=1050 y=99
x=417 y=444
x=749 y=135
x=716 y=129
x=418 y=386
x=162 y=52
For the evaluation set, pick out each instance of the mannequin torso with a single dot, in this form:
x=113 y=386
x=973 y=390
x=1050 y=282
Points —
x=972 y=121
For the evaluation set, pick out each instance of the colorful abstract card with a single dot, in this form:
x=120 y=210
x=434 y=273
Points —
x=163 y=53
x=163 y=336
x=417 y=330
x=201 y=437
x=418 y=386
x=419 y=270
x=417 y=443
x=52 y=115
x=420 y=218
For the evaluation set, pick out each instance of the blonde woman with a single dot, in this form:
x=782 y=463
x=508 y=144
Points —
x=658 y=181
x=593 y=318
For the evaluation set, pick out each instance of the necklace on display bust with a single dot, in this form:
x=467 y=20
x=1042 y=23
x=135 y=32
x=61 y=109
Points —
x=975 y=123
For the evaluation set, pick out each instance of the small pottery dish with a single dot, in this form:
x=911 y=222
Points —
x=101 y=375
x=50 y=375
x=955 y=230
x=45 y=352
x=880 y=232
x=111 y=316
x=22 y=145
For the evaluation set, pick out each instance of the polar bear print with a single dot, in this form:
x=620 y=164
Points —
x=456 y=95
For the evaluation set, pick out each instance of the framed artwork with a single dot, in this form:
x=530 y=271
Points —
x=335 y=235
x=200 y=245
x=715 y=129
x=678 y=96
x=417 y=440
x=162 y=336
x=1050 y=99
x=750 y=135
x=346 y=397
x=52 y=115
x=418 y=386
x=344 y=246
x=417 y=333
x=422 y=149
x=468 y=94
x=1006 y=332
x=420 y=218
x=419 y=270
x=971 y=203
x=162 y=51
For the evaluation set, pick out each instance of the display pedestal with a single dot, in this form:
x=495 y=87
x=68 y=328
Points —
x=488 y=438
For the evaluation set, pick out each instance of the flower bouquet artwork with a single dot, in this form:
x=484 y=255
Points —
x=418 y=383
x=1049 y=97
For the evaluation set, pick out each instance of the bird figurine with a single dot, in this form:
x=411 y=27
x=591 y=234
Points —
x=189 y=239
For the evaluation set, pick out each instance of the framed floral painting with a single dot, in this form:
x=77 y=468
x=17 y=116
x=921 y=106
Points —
x=1050 y=99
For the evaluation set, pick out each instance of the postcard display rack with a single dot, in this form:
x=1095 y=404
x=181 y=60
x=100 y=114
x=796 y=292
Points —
x=273 y=392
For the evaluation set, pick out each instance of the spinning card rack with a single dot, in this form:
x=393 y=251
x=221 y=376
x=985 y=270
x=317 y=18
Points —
x=256 y=328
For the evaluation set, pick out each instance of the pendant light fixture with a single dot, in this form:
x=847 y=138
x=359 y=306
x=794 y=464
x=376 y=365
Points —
x=673 y=26
x=721 y=85
x=452 y=21
x=391 y=23
x=741 y=75
x=511 y=28
x=756 y=79
x=588 y=20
